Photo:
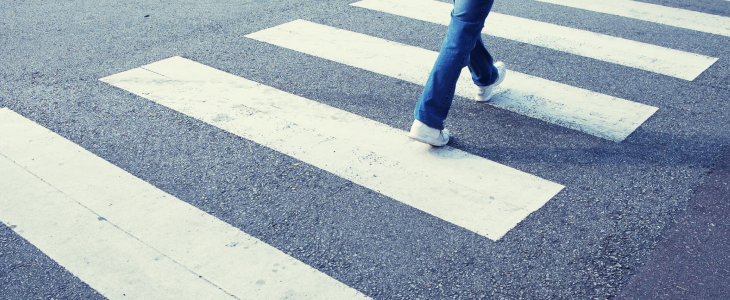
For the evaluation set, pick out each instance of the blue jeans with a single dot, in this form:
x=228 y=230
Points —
x=462 y=46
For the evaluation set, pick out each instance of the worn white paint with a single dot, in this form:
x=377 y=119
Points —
x=149 y=245
x=671 y=16
x=593 y=113
x=475 y=193
x=603 y=47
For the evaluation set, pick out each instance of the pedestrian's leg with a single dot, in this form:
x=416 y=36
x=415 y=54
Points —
x=467 y=21
x=481 y=65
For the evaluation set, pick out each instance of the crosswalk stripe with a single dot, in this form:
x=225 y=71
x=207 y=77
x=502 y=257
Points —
x=115 y=264
x=593 y=113
x=469 y=191
x=603 y=47
x=130 y=240
x=671 y=16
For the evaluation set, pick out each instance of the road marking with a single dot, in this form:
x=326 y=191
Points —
x=469 y=191
x=671 y=16
x=130 y=240
x=603 y=47
x=593 y=113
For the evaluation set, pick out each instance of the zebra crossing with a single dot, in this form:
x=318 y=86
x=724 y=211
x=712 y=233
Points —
x=444 y=182
x=128 y=239
x=603 y=47
x=593 y=113
x=671 y=16
x=133 y=257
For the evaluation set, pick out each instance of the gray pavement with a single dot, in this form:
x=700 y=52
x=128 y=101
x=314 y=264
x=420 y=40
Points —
x=692 y=261
x=589 y=242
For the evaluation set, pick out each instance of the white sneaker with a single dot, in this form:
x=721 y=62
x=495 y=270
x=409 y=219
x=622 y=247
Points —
x=422 y=133
x=484 y=93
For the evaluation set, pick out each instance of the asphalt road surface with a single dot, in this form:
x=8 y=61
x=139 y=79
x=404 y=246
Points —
x=194 y=149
